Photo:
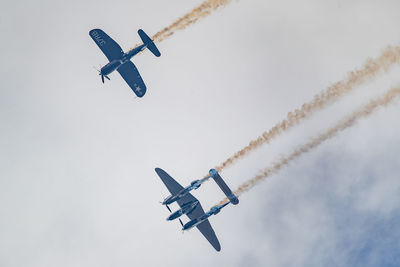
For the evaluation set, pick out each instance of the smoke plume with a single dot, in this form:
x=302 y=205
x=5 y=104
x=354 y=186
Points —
x=201 y=11
x=370 y=69
x=349 y=121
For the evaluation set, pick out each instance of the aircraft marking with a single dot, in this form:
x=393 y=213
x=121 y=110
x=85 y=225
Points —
x=98 y=38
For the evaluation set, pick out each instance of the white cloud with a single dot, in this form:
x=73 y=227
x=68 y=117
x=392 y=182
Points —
x=78 y=186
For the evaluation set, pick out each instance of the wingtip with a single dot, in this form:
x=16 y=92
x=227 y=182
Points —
x=96 y=29
x=159 y=171
x=141 y=91
x=216 y=245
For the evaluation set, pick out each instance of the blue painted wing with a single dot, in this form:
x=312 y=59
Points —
x=110 y=48
x=132 y=77
x=205 y=227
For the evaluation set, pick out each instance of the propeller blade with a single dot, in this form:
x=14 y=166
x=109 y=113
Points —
x=168 y=208
x=181 y=222
x=102 y=78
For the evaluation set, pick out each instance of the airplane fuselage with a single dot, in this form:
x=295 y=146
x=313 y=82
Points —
x=116 y=63
x=186 y=209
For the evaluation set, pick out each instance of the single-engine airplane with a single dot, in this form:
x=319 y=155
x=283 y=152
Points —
x=191 y=207
x=120 y=61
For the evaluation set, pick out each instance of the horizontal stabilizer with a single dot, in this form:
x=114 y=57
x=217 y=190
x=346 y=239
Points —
x=149 y=43
x=224 y=187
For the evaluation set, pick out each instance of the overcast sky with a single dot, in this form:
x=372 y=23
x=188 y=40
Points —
x=77 y=180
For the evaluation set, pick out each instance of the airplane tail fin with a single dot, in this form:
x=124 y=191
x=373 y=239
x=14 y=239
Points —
x=149 y=43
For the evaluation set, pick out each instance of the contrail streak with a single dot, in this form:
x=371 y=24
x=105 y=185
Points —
x=370 y=69
x=349 y=121
x=201 y=11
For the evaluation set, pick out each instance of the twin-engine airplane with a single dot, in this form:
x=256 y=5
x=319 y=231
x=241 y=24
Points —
x=120 y=61
x=191 y=207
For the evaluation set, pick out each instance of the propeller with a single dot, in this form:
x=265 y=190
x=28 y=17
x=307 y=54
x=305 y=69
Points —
x=183 y=231
x=168 y=208
x=171 y=212
x=102 y=76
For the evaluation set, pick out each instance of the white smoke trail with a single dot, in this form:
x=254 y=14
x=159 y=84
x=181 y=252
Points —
x=371 y=68
x=201 y=11
x=349 y=121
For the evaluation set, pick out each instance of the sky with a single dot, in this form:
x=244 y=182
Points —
x=77 y=179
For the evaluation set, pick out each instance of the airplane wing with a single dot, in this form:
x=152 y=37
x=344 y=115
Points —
x=205 y=227
x=110 y=48
x=132 y=77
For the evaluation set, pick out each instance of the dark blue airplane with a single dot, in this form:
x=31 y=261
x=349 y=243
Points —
x=191 y=207
x=186 y=203
x=120 y=61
